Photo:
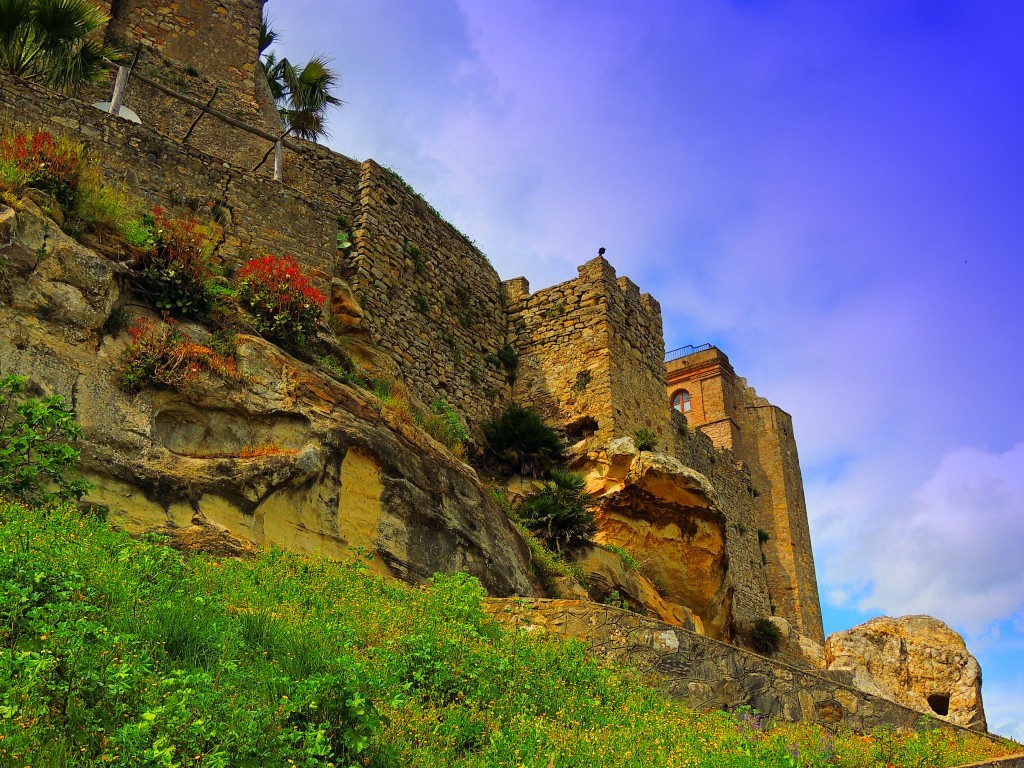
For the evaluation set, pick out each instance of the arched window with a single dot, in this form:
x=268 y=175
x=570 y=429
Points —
x=681 y=401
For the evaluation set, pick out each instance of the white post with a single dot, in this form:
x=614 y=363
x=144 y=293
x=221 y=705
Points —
x=279 y=161
x=120 y=85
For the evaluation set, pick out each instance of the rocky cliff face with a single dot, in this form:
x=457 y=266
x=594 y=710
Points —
x=339 y=474
x=650 y=504
x=916 y=661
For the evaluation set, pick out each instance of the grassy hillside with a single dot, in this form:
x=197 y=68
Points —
x=125 y=652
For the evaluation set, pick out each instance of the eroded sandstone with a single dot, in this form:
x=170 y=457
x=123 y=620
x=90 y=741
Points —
x=916 y=661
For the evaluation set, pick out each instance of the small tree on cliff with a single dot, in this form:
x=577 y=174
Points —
x=303 y=94
x=560 y=512
x=51 y=41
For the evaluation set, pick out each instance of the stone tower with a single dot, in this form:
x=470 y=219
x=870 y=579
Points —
x=704 y=387
x=591 y=354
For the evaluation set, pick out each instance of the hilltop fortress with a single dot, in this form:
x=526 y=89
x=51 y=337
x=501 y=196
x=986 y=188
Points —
x=721 y=501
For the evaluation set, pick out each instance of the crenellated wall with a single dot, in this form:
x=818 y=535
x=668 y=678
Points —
x=590 y=354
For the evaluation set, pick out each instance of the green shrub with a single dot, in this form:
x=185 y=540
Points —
x=284 y=303
x=520 y=441
x=175 y=271
x=37 y=455
x=765 y=636
x=762 y=536
x=560 y=513
x=645 y=439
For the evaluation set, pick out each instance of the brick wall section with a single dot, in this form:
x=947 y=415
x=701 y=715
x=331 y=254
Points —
x=434 y=301
x=590 y=348
x=759 y=435
x=219 y=36
x=266 y=217
x=732 y=484
x=708 y=674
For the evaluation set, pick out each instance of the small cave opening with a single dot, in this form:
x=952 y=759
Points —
x=939 y=702
x=580 y=429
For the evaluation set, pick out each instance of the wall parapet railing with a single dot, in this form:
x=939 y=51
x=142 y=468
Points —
x=277 y=143
x=689 y=349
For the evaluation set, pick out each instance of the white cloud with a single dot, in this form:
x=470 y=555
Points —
x=953 y=552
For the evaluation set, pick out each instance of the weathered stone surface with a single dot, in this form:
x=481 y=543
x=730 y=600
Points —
x=916 y=661
x=649 y=502
x=341 y=475
x=606 y=573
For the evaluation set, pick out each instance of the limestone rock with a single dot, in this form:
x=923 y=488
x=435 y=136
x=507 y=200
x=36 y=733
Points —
x=606 y=573
x=649 y=502
x=916 y=661
x=338 y=474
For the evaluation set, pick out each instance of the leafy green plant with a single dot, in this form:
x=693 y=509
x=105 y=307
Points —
x=627 y=558
x=645 y=439
x=520 y=441
x=175 y=272
x=37 y=453
x=344 y=235
x=765 y=636
x=763 y=536
x=284 y=303
x=560 y=513
x=54 y=42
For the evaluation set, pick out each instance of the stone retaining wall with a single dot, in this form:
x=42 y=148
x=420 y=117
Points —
x=706 y=673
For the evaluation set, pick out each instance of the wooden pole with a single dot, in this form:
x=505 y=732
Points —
x=278 y=160
x=120 y=86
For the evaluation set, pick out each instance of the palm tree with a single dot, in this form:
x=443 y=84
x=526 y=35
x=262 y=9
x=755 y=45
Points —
x=50 y=41
x=302 y=94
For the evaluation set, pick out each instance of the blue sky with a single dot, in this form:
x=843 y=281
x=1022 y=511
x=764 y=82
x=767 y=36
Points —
x=833 y=193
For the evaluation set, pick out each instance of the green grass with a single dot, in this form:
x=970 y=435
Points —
x=124 y=652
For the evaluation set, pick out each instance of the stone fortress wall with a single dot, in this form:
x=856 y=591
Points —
x=734 y=487
x=760 y=436
x=590 y=350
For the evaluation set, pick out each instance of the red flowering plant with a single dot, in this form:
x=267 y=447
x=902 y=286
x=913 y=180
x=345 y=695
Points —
x=175 y=269
x=163 y=354
x=282 y=298
x=42 y=162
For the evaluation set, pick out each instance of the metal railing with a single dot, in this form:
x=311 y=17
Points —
x=689 y=349
x=278 y=143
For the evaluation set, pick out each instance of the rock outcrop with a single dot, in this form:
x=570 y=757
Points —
x=336 y=473
x=916 y=661
x=608 y=577
x=649 y=502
